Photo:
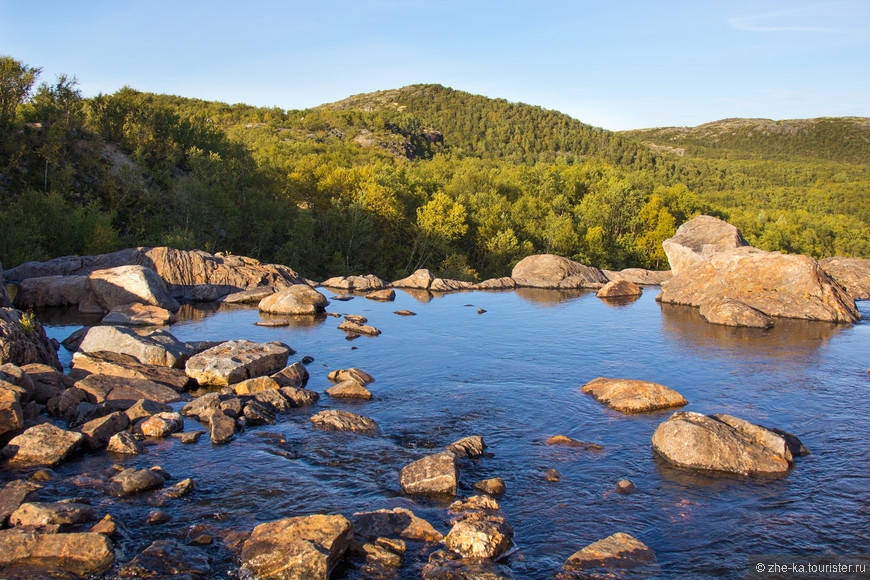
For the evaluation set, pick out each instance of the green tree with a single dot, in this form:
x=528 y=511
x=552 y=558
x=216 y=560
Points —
x=16 y=81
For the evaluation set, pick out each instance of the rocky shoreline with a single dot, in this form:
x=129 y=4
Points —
x=126 y=374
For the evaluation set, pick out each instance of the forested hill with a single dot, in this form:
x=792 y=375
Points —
x=498 y=128
x=842 y=139
x=422 y=176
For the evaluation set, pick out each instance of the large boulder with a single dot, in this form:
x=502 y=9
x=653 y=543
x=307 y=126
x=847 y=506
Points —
x=298 y=299
x=301 y=548
x=197 y=275
x=237 y=360
x=74 y=265
x=853 y=274
x=394 y=523
x=125 y=390
x=620 y=551
x=631 y=396
x=126 y=366
x=42 y=444
x=551 y=271
x=435 y=474
x=23 y=340
x=421 y=280
x=724 y=443
x=355 y=283
x=785 y=285
x=81 y=554
x=699 y=239
x=619 y=289
x=154 y=347
x=52 y=291
x=128 y=284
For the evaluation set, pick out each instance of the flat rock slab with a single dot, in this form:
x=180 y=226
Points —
x=551 y=271
x=138 y=315
x=631 y=396
x=354 y=328
x=82 y=554
x=46 y=513
x=102 y=388
x=349 y=389
x=394 y=523
x=301 y=548
x=297 y=299
x=723 y=443
x=503 y=283
x=248 y=296
x=620 y=551
x=435 y=474
x=730 y=312
x=43 y=444
x=124 y=365
x=336 y=420
x=157 y=347
x=168 y=559
x=161 y=425
x=235 y=361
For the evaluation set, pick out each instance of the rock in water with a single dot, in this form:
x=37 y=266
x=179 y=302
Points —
x=435 y=474
x=351 y=374
x=335 y=420
x=472 y=446
x=43 y=444
x=157 y=347
x=349 y=390
x=297 y=299
x=132 y=481
x=699 y=239
x=617 y=551
x=394 y=523
x=618 y=289
x=354 y=328
x=385 y=295
x=128 y=284
x=775 y=284
x=420 y=280
x=23 y=340
x=480 y=537
x=301 y=548
x=235 y=361
x=853 y=274
x=551 y=271
x=124 y=365
x=125 y=443
x=168 y=559
x=630 y=396
x=723 y=443
x=138 y=315
x=356 y=283
x=733 y=313
x=82 y=554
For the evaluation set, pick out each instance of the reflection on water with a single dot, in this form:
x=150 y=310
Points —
x=423 y=296
x=66 y=317
x=513 y=376
x=620 y=301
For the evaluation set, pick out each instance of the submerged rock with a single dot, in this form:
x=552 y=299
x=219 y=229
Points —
x=493 y=486
x=81 y=554
x=722 y=443
x=620 y=551
x=565 y=441
x=133 y=481
x=632 y=396
x=729 y=312
x=445 y=565
x=301 y=548
x=435 y=474
x=336 y=420
x=354 y=328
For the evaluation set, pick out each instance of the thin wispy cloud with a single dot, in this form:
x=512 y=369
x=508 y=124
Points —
x=803 y=19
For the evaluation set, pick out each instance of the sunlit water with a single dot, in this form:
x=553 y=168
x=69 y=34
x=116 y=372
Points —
x=513 y=375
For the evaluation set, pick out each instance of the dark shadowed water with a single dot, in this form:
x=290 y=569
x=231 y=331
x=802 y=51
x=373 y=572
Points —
x=513 y=375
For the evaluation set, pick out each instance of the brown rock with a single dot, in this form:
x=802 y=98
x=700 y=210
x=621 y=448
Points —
x=420 y=280
x=45 y=382
x=47 y=513
x=730 y=312
x=99 y=431
x=617 y=551
x=394 y=523
x=146 y=408
x=447 y=565
x=565 y=441
x=494 y=486
x=12 y=495
x=254 y=295
x=73 y=265
x=385 y=295
x=700 y=239
x=251 y=386
x=472 y=446
x=853 y=274
x=295 y=375
x=297 y=397
x=353 y=328
x=775 y=284
x=222 y=428
x=23 y=340
x=134 y=481
x=43 y=444
x=81 y=554
x=155 y=347
x=302 y=548
x=125 y=443
x=625 y=486
x=552 y=475
x=639 y=276
x=721 y=443
x=125 y=365
x=11 y=413
x=106 y=526
x=630 y=396
x=168 y=559
x=445 y=285
x=349 y=389
x=435 y=474
x=102 y=388
x=619 y=289
x=162 y=425
x=356 y=318
x=505 y=283
x=298 y=299
x=476 y=503
x=335 y=420
x=405 y=313
x=551 y=271
x=355 y=283
x=351 y=374
x=49 y=291
x=234 y=361
x=480 y=538
x=138 y=315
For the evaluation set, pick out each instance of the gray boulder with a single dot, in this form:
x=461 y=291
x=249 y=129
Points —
x=551 y=271
x=435 y=474
x=235 y=361
x=298 y=299
x=699 y=239
x=154 y=347
x=130 y=284
x=61 y=291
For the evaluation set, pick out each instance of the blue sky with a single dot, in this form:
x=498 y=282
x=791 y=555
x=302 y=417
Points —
x=613 y=64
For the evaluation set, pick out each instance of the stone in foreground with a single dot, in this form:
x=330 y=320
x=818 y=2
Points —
x=301 y=548
x=484 y=537
x=724 y=443
x=168 y=559
x=336 y=420
x=435 y=474
x=617 y=551
x=43 y=444
x=235 y=361
x=81 y=554
x=394 y=523
x=630 y=396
